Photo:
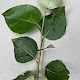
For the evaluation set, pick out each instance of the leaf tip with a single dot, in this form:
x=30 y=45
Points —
x=3 y=13
x=14 y=40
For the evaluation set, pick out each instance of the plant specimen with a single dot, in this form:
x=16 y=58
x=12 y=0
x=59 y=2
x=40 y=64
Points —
x=21 y=19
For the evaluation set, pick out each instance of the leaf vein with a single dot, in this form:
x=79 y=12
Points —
x=49 y=30
x=53 y=72
x=25 y=20
x=28 y=53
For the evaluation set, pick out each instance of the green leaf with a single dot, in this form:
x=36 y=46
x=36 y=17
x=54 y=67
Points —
x=55 y=24
x=24 y=76
x=51 y=4
x=50 y=46
x=22 y=18
x=25 y=49
x=56 y=70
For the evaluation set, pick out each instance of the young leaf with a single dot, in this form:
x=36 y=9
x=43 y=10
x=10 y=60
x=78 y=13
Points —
x=55 y=24
x=25 y=49
x=24 y=76
x=51 y=4
x=56 y=70
x=50 y=46
x=22 y=18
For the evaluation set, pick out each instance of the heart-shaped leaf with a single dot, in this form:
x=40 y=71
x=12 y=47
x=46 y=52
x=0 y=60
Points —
x=51 y=4
x=55 y=24
x=56 y=70
x=22 y=18
x=25 y=49
x=25 y=76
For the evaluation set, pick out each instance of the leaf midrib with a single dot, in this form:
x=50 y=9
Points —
x=28 y=53
x=48 y=4
x=49 y=30
x=54 y=72
x=25 y=20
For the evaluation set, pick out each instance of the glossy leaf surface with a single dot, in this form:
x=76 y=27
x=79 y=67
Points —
x=22 y=18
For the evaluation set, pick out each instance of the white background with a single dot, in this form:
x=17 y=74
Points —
x=67 y=48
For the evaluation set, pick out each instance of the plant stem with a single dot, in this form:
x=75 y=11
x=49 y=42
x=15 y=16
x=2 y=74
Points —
x=41 y=44
x=42 y=49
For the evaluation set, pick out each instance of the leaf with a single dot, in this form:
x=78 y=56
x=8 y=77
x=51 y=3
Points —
x=56 y=70
x=25 y=49
x=51 y=4
x=22 y=18
x=50 y=46
x=55 y=24
x=24 y=76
